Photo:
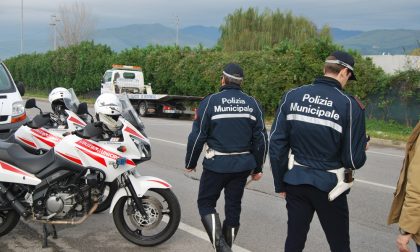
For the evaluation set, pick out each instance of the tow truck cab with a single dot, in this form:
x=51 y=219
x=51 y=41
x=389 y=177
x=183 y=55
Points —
x=130 y=80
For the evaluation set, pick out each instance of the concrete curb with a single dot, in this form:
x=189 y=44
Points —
x=390 y=143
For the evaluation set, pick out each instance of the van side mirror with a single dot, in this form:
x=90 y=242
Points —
x=21 y=88
x=82 y=108
x=31 y=103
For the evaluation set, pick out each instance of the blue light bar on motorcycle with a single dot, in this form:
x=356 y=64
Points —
x=121 y=161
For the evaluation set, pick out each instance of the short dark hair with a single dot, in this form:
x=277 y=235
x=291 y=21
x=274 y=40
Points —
x=229 y=80
x=332 y=67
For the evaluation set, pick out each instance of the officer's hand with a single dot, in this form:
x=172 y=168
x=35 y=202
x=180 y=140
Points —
x=189 y=169
x=256 y=176
x=282 y=195
x=402 y=242
x=367 y=142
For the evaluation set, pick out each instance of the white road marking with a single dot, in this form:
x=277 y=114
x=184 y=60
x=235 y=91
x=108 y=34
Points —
x=167 y=141
x=166 y=124
x=375 y=184
x=358 y=180
x=202 y=235
x=386 y=154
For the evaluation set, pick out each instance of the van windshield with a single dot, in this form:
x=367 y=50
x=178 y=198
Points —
x=6 y=85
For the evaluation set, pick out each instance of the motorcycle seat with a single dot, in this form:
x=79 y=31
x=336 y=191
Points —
x=14 y=154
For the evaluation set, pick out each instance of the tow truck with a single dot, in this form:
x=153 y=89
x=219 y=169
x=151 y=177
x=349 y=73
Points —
x=130 y=80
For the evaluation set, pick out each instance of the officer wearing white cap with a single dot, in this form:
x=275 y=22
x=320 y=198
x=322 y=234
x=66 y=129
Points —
x=231 y=123
x=322 y=131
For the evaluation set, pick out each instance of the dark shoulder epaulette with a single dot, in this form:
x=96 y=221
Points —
x=358 y=102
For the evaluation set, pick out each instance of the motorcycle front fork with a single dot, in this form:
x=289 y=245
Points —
x=137 y=200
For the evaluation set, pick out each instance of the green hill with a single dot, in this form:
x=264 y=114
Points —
x=383 y=41
x=145 y=34
x=118 y=38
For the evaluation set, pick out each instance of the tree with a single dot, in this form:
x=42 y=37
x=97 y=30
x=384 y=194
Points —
x=76 y=24
x=415 y=52
x=250 y=30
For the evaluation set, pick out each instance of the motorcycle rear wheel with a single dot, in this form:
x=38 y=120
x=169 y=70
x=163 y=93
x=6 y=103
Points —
x=164 y=215
x=8 y=220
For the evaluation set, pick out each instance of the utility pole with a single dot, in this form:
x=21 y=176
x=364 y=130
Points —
x=21 y=27
x=54 y=22
x=177 y=31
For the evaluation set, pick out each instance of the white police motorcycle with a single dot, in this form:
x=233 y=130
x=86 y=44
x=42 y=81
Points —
x=63 y=185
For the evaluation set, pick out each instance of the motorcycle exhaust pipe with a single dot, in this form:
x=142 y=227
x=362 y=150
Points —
x=7 y=196
x=72 y=222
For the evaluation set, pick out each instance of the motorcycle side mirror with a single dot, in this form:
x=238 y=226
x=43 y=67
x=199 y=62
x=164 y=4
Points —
x=31 y=103
x=82 y=109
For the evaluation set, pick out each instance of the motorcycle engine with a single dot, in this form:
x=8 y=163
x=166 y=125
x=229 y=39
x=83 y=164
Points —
x=61 y=203
x=69 y=196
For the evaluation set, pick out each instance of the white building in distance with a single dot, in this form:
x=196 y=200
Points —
x=393 y=63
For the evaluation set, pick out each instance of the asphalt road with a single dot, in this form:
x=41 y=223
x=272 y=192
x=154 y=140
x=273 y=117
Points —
x=263 y=219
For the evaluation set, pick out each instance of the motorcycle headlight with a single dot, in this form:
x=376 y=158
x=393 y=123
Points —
x=144 y=148
x=18 y=108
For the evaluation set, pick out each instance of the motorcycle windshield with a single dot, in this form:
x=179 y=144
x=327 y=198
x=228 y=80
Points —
x=129 y=113
x=73 y=103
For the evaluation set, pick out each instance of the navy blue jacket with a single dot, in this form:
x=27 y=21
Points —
x=324 y=128
x=229 y=121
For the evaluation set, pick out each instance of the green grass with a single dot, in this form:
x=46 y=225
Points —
x=35 y=94
x=379 y=129
x=387 y=130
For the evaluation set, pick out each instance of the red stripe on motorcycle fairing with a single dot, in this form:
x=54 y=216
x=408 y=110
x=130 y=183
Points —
x=43 y=133
x=32 y=144
x=133 y=132
x=96 y=158
x=73 y=159
x=130 y=162
x=11 y=168
x=75 y=120
x=96 y=148
x=160 y=182
x=101 y=151
x=51 y=144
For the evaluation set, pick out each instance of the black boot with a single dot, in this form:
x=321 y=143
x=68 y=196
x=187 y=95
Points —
x=230 y=233
x=213 y=227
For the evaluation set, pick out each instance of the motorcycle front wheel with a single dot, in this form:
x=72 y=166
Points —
x=162 y=220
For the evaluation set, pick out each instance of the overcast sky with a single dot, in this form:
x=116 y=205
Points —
x=350 y=15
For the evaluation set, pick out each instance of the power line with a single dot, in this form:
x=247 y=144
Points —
x=177 y=31
x=21 y=27
x=53 y=23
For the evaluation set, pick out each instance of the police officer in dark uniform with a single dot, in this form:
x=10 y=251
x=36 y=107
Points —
x=322 y=131
x=231 y=123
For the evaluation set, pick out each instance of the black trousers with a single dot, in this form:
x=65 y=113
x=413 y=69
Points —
x=302 y=202
x=212 y=184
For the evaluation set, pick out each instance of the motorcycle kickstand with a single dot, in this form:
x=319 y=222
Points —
x=48 y=233
x=54 y=232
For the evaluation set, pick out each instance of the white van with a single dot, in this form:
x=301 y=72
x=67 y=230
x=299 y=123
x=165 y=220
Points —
x=12 y=108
